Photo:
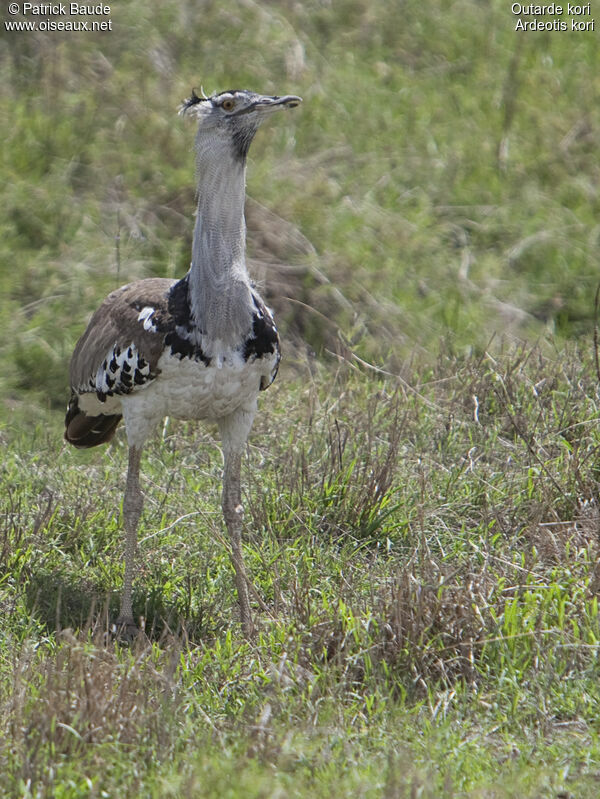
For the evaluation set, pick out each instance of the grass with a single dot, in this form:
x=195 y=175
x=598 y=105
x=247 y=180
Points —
x=421 y=532
x=427 y=563
x=441 y=173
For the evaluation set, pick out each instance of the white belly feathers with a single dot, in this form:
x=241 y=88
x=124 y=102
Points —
x=188 y=389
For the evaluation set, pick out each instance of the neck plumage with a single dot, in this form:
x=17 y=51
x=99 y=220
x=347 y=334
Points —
x=219 y=286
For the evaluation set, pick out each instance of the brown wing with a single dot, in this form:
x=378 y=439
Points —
x=125 y=333
x=117 y=353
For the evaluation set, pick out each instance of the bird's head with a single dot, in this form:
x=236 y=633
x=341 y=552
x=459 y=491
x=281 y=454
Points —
x=233 y=117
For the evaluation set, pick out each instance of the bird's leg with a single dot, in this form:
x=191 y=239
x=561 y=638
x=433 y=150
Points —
x=233 y=513
x=234 y=431
x=132 y=509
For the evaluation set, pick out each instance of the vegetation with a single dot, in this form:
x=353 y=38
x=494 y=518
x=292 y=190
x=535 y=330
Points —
x=421 y=487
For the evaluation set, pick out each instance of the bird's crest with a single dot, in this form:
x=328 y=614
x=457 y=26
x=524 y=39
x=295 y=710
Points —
x=193 y=100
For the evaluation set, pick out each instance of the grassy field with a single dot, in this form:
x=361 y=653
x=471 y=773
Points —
x=421 y=486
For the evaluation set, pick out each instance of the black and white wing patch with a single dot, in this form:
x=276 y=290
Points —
x=121 y=346
x=121 y=371
x=116 y=355
x=264 y=341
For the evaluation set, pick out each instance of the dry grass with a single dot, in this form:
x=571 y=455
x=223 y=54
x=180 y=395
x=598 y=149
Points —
x=412 y=541
x=80 y=699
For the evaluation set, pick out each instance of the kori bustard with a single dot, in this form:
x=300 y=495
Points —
x=197 y=348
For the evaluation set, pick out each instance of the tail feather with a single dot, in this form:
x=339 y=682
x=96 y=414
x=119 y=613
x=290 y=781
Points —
x=88 y=431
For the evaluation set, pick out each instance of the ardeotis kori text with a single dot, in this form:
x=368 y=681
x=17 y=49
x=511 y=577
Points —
x=198 y=348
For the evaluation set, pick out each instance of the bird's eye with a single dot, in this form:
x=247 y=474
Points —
x=228 y=104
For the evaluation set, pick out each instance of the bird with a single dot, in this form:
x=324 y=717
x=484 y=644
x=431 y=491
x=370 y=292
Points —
x=198 y=348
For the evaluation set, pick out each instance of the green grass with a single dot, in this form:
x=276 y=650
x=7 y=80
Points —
x=421 y=530
x=429 y=586
x=441 y=171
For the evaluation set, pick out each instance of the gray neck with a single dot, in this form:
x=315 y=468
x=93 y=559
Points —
x=219 y=286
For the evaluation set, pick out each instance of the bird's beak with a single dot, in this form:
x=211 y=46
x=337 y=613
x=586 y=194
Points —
x=288 y=101
x=266 y=104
